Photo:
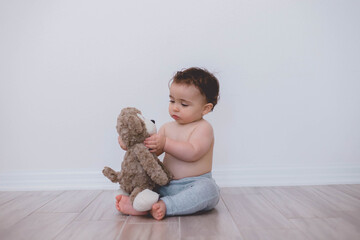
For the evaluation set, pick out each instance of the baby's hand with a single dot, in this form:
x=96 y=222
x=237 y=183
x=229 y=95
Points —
x=155 y=143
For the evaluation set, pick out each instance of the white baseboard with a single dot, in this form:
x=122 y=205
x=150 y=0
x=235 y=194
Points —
x=232 y=177
x=288 y=176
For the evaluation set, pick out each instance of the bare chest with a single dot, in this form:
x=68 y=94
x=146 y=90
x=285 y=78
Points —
x=180 y=132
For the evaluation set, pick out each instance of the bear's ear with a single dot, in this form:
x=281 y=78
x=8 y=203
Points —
x=135 y=124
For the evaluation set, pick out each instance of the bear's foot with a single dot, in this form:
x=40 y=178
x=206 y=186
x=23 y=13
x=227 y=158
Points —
x=145 y=199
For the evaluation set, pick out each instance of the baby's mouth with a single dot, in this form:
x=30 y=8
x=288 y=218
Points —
x=175 y=117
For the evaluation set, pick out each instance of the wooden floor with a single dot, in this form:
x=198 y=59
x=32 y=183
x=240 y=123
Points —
x=289 y=213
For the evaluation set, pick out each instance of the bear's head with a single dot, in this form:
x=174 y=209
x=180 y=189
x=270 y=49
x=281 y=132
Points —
x=133 y=127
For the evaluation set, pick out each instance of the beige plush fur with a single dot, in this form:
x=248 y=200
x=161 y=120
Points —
x=140 y=168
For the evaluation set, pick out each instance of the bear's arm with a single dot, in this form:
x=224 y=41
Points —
x=149 y=162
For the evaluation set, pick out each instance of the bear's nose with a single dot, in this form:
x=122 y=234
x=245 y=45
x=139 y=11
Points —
x=153 y=121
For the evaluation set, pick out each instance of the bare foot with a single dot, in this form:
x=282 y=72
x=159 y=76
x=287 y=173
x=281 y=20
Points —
x=158 y=210
x=124 y=205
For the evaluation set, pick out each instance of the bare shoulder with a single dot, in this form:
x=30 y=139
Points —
x=205 y=125
x=164 y=128
x=204 y=128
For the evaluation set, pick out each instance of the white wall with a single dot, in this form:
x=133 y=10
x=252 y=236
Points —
x=288 y=70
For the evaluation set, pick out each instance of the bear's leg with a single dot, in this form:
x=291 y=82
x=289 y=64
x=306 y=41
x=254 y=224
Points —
x=135 y=192
x=145 y=199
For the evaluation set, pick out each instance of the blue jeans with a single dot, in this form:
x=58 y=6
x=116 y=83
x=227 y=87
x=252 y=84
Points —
x=190 y=195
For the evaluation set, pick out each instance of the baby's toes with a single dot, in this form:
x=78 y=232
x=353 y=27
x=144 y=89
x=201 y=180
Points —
x=118 y=198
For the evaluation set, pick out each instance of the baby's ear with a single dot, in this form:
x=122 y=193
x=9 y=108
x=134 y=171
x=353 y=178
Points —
x=135 y=124
x=207 y=108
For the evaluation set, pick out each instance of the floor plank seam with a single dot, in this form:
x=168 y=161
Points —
x=65 y=226
x=35 y=210
x=12 y=199
x=346 y=193
x=231 y=215
x=54 y=197
x=74 y=219
x=122 y=227
x=278 y=210
x=271 y=204
x=179 y=225
x=91 y=202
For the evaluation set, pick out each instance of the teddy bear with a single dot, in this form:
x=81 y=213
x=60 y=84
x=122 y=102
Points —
x=141 y=170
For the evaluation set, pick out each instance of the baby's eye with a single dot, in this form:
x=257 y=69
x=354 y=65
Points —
x=172 y=101
x=184 y=105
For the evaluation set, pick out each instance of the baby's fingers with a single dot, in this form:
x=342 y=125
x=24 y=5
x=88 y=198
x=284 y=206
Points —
x=150 y=145
x=152 y=137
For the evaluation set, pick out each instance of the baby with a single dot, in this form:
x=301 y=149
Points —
x=188 y=143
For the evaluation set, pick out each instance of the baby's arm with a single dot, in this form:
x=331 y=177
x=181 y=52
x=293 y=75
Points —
x=199 y=144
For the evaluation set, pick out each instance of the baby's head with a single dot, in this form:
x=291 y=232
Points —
x=203 y=80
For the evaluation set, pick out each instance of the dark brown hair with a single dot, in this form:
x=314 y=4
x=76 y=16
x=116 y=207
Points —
x=202 y=79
